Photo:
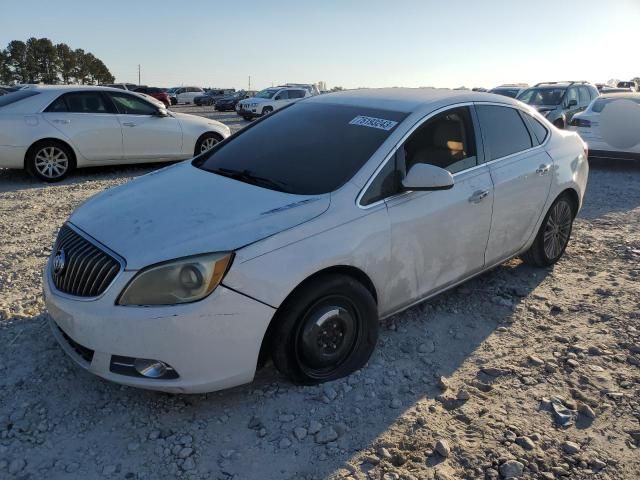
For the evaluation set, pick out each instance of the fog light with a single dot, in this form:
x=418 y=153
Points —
x=150 y=368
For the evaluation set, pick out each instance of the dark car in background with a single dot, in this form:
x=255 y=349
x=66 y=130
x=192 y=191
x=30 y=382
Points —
x=559 y=101
x=230 y=101
x=155 y=92
x=632 y=85
x=212 y=95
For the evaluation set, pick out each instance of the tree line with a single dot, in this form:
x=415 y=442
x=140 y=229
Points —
x=39 y=60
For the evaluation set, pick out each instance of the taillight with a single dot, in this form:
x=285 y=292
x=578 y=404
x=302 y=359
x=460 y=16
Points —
x=581 y=122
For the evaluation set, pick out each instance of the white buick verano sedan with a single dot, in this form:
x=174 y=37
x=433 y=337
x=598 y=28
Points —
x=50 y=130
x=294 y=237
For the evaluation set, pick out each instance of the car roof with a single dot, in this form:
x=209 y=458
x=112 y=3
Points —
x=72 y=88
x=407 y=99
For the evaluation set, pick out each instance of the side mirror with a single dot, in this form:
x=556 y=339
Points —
x=425 y=177
x=572 y=103
x=162 y=112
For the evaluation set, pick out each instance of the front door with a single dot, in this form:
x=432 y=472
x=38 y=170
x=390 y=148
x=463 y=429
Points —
x=440 y=237
x=88 y=120
x=145 y=134
x=521 y=171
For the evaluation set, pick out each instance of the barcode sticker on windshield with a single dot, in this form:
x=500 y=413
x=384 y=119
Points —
x=373 y=122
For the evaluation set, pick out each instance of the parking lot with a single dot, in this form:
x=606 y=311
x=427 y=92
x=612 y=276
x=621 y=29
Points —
x=472 y=374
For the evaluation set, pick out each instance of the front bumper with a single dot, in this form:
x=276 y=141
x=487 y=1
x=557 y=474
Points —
x=247 y=113
x=212 y=344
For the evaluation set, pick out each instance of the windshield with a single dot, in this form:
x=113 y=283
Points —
x=16 y=96
x=268 y=93
x=542 y=96
x=600 y=103
x=306 y=149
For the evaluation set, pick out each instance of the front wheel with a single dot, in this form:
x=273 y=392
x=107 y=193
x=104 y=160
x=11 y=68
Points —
x=553 y=237
x=327 y=330
x=49 y=161
x=206 y=142
x=267 y=110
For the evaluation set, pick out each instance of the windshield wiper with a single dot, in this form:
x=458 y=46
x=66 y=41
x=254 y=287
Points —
x=248 y=177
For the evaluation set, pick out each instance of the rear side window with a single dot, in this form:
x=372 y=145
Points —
x=14 y=97
x=503 y=130
x=79 y=102
x=296 y=93
x=539 y=131
x=283 y=95
x=130 y=105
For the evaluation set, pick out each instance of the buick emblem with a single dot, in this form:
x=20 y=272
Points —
x=59 y=262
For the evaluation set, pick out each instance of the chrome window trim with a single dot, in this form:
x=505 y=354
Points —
x=425 y=119
x=96 y=244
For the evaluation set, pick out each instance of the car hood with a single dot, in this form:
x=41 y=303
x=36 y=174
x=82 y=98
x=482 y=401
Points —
x=183 y=210
x=198 y=120
x=256 y=100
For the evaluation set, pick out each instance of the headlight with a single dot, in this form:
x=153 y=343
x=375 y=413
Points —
x=253 y=105
x=178 y=281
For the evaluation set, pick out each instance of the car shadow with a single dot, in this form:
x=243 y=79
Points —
x=250 y=431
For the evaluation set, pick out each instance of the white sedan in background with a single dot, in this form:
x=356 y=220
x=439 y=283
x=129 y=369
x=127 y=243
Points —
x=51 y=130
x=611 y=126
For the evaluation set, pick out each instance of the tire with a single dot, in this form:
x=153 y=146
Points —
x=559 y=123
x=206 y=142
x=556 y=227
x=267 y=111
x=350 y=330
x=49 y=161
x=246 y=117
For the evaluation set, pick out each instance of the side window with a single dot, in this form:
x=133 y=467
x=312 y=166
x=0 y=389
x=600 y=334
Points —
x=446 y=141
x=539 y=131
x=282 y=95
x=385 y=184
x=85 y=102
x=58 y=105
x=130 y=105
x=583 y=93
x=503 y=130
x=572 y=94
x=296 y=93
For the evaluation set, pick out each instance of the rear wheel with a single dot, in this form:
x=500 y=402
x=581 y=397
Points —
x=327 y=330
x=206 y=142
x=553 y=237
x=49 y=161
x=559 y=123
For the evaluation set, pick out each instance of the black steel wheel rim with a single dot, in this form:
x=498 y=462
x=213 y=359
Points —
x=327 y=335
x=557 y=229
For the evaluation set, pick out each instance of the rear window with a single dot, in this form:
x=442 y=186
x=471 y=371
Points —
x=14 y=97
x=306 y=149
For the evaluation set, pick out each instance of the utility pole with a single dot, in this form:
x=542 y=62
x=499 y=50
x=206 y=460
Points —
x=249 y=82
x=138 y=74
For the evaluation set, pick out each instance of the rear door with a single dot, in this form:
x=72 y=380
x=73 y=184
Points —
x=90 y=123
x=145 y=134
x=521 y=171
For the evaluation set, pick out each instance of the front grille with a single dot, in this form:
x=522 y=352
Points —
x=85 y=353
x=79 y=267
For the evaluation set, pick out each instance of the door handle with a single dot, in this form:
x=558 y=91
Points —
x=58 y=120
x=129 y=124
x=478 y=196
x=543 y=169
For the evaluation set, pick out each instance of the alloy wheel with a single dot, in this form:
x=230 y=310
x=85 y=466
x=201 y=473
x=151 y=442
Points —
x=51 y=162
x=557 y=229
x=207 y=144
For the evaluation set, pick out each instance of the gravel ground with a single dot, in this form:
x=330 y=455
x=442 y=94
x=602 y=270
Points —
x=518 y=373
